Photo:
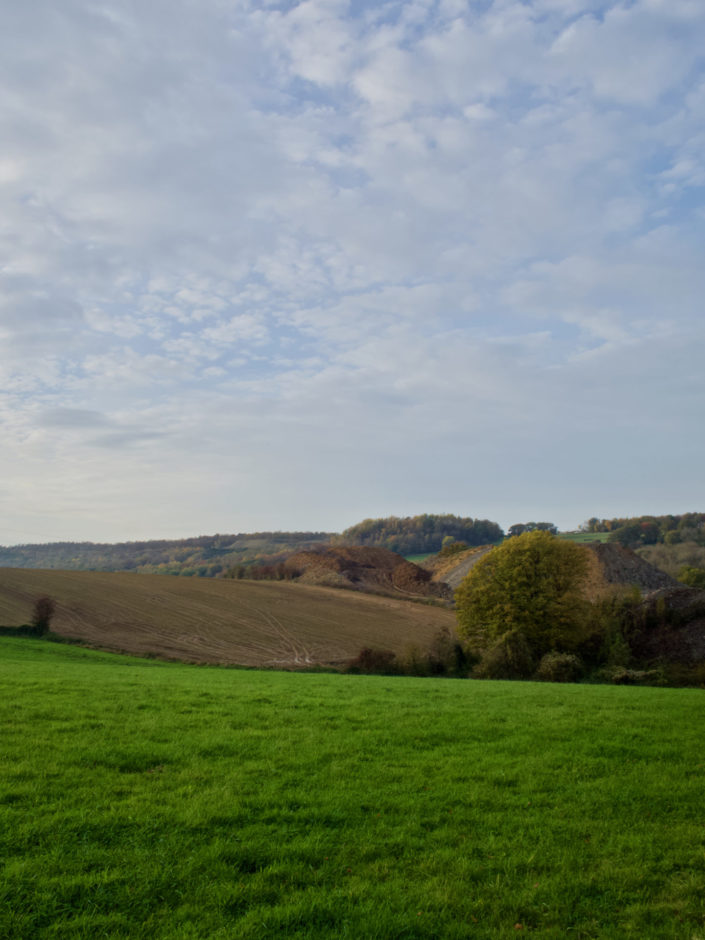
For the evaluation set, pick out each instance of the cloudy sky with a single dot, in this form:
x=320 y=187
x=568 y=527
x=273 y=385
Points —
x=291 y=265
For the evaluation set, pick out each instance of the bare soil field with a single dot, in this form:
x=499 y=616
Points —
x=271 y=624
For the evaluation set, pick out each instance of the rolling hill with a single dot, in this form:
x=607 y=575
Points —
x=271 y=624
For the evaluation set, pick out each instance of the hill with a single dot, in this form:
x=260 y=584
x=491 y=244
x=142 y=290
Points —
x=412 y=535
x=610 y=565
x=613 y=564
x=215 y=555
x=365 y=569
x=635 y=531
x=453 y=569
x=219 y=621
x=202 y=556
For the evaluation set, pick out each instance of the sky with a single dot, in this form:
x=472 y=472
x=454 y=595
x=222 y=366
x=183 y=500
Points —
x=287 y=266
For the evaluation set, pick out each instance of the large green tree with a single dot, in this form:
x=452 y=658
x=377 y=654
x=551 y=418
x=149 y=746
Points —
x=528 y=586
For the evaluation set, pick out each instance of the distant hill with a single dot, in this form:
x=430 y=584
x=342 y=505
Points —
x=203 y=556
x=636 y=531
x=216 y=555
x=415 y=535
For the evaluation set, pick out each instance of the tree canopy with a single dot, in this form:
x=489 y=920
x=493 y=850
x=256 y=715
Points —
x=528 y=586
x=636 y=531
x=415 y=534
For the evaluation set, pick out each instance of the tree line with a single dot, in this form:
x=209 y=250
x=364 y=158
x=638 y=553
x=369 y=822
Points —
x=201 y=556
x=412 y=535
x=636 y=531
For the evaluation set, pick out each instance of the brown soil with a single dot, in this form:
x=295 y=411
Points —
x=366 y=569
x=613 y=564
x=452 y=570
x=206 y=620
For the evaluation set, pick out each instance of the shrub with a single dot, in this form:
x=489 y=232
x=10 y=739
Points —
x=559 y=667
x=692 y=576
x=42 y=613
x=620 y=675
x=452 y=548
x=374 y=662
x=414 y=661
x=446 y=656
x=509 y=658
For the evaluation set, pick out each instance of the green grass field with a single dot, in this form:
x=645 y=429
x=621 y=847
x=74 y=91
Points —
x=156 y=800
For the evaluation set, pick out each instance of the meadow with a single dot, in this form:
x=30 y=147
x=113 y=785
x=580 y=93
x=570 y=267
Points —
x=147 y=799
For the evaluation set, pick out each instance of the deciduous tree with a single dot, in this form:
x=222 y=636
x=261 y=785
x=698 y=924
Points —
x=42 y=613
x=530 y=586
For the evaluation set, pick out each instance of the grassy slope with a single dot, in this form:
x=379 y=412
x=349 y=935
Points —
x=142 y=799
x=585 y=536
x=207 y=620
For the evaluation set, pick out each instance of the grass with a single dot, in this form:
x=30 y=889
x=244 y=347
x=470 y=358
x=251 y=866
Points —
x=585 y=536
x=159 y=800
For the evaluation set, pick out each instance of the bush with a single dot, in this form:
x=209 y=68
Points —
x=509 y=658
x=620 y=675
x=42 y=613
x=692 y=576
x=559 y=667
x=446 y=656
x=414 y=661
x=452 y=548
x=374 y=662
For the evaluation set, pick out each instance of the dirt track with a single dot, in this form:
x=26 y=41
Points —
x=218 y=621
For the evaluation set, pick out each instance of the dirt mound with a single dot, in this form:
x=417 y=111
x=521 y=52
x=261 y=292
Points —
x=674 y=626
x=451 y=570
x=610 y=565
x=364 y=568
x=613 y=564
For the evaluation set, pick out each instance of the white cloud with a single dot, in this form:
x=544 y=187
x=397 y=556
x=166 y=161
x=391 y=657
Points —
x=347 y=260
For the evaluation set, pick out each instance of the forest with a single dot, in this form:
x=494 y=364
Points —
x=202 y=556
x=418 y=534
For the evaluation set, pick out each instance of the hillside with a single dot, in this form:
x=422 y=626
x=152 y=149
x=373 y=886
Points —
x=202 y=556
x=610 y=565
x=411 y=535
x=216 y=555
x=365 y=569
x=219 y=621
x=453 y=569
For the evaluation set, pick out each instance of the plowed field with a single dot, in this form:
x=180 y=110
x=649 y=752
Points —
x=245 y=623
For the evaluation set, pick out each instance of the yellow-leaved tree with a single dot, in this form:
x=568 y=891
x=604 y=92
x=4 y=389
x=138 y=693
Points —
x=524 y=597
